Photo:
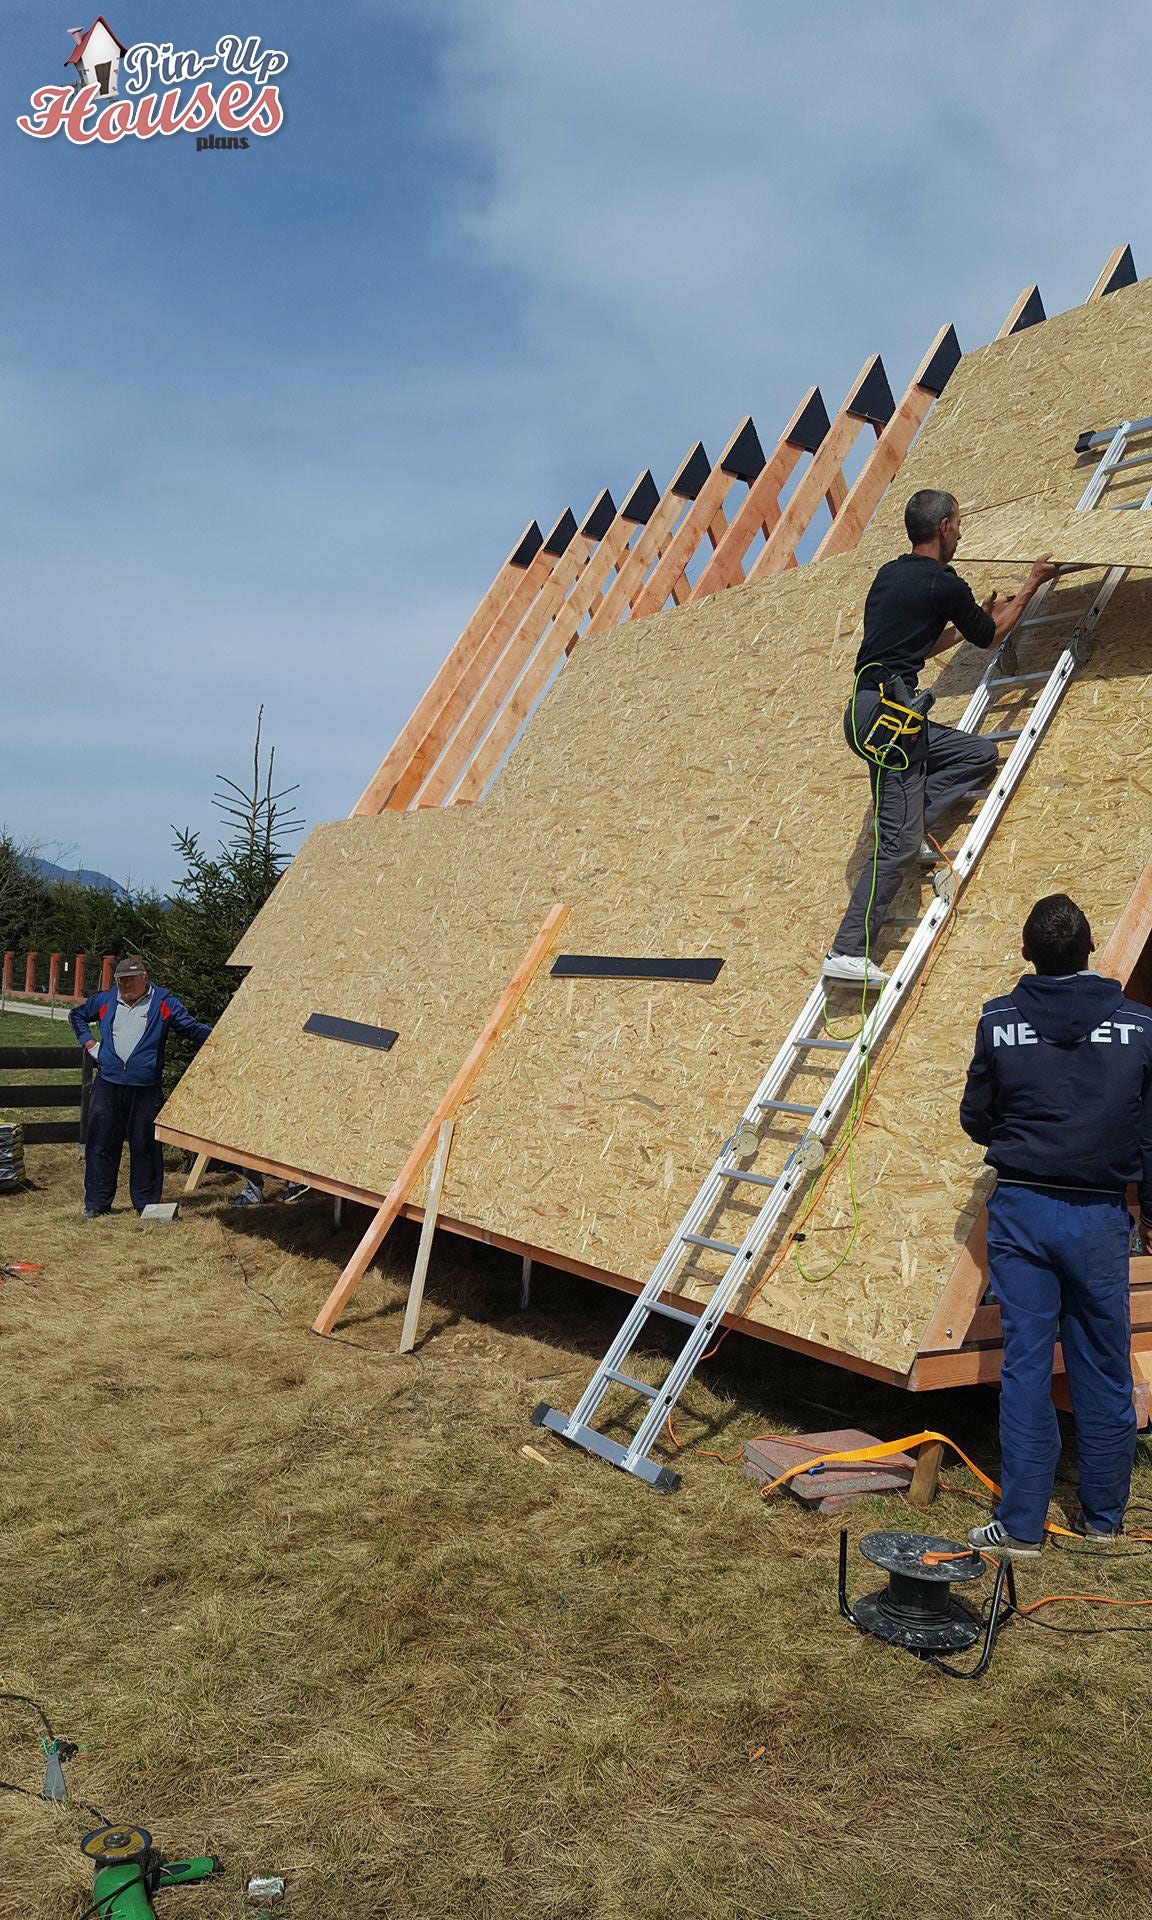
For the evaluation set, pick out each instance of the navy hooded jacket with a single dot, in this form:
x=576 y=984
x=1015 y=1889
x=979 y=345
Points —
x=1060 y=1086
x=145 y=1063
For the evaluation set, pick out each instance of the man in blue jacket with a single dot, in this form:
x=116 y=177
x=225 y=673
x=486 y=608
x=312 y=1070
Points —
x=1060 y=1093
x=133 y=1020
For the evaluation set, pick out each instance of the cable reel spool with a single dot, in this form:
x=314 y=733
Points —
x=917 y=1609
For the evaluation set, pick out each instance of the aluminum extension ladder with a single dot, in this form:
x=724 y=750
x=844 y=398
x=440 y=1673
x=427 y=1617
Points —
x=807 y=1155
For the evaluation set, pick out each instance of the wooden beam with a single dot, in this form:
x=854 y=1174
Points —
x=926 y=1474
x=376 y=793
x=559 y=640
x=508 y=668
x=868 y=403
x=427 y=1234
x=195 y=1174
x=651 y=543
x=1119 y=271
x=410 y=1172
x=759 y=510
x=888 y=455
x=742 y=459
x=467 y=669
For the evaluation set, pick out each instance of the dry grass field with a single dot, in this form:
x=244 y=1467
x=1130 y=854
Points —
x=309 y=1606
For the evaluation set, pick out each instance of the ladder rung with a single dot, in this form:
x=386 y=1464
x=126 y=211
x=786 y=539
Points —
x=673 y=1313
x=1018 y=679
x=1137 y=460
x=784 y=1106
x=830 y=1046
x=1129 y=506
x=626 y=1380
x=753 y=1179
x=702 y=1240
x=1004 y=733
x=1048 y=619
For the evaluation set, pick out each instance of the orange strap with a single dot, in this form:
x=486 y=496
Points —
x=886 y=1448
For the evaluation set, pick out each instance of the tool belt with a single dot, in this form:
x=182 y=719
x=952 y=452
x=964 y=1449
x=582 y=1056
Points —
x=899 y=719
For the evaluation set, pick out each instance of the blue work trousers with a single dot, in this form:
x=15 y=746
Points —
x=1058 y=1263
x=117 y=1114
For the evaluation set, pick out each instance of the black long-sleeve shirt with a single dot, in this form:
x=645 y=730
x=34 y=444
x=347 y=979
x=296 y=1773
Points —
x=909 y=604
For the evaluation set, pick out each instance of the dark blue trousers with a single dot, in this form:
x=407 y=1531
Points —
x=1058 y=1263
x=116 y=1114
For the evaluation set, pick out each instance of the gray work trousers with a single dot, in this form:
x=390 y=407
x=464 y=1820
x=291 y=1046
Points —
x=944 y=767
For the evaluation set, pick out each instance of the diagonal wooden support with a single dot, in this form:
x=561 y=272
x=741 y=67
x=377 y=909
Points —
x=196 y=1173
x=517 y=653
x=742 y=459
x=376 y=793
x=463 y=673
x=887 y=456
x=653 y=541
x=760 y=509
x=410 y=1172
x=427 y=1235
x=1119 y=271
x=869 y=403
x=559 y=640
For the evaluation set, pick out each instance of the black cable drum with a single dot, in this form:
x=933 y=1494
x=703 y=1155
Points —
x=917 y=1610
x=11 y=1155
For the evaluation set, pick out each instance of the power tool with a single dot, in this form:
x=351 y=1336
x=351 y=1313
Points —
x=129 y=1870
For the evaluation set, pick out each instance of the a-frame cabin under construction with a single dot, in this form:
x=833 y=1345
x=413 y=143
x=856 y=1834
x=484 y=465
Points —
x=647 y=709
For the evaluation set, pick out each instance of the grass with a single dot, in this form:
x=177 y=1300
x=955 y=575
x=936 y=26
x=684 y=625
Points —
x=314 y=1610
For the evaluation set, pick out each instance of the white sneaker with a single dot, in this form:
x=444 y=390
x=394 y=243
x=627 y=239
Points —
x=854 y=968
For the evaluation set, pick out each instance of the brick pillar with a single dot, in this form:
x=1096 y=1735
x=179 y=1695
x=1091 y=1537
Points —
x=106 y=972
x=53 y=976
x=9 y=963
x=30 y=974
x=81 y=970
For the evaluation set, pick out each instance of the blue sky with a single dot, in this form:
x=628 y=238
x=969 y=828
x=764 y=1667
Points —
x=272 y=419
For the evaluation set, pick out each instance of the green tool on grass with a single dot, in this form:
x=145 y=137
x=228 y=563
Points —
x=129 y=1870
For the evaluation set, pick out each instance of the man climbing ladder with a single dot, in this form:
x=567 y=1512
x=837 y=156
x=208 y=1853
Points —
x=916 y=607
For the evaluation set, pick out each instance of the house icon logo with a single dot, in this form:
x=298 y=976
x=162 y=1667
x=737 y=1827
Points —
x=118 y=92
x=95 y=58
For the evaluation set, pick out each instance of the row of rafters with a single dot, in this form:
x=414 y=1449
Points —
x=715 y=525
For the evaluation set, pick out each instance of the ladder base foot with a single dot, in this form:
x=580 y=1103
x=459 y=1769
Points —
x=663 y=1479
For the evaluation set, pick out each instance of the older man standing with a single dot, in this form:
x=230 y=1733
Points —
x=133 y=1020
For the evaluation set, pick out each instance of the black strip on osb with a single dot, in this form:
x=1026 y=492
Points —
x=612 y=966
x=354 y=1031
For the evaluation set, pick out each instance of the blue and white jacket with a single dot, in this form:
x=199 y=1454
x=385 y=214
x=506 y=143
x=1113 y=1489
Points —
x=145 y=1063
x=1060 y=1086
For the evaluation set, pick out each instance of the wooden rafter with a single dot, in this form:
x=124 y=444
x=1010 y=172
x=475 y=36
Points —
x=470 y=668
x=651 y=543
x=389 y=1209
x=760 y=509
x=742 y=459
x=507 y=669
x=869 y=403
x=376 y=794
x=559 y=640
x=887 y=456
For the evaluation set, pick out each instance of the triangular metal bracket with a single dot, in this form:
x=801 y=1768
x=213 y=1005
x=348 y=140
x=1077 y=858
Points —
x=743 y=457
x=562 y=534
x=692 y=474
x=942 y=362
x=531 y=541
x=810 y=423
x=600 y=516
x=643 y=500
x=872 y=398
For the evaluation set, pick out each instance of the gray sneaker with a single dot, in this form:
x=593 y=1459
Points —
x=995 y=1538
x=250 y=1195
x=295 y=1190
x=1091 y=1533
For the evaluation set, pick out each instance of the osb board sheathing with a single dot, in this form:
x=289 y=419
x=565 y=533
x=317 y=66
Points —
x=686 y=790
x=1096 y=538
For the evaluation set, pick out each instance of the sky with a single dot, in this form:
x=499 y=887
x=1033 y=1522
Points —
x=270 y=420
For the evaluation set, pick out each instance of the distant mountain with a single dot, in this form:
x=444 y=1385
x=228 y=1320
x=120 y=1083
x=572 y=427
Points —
x=77 y=877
